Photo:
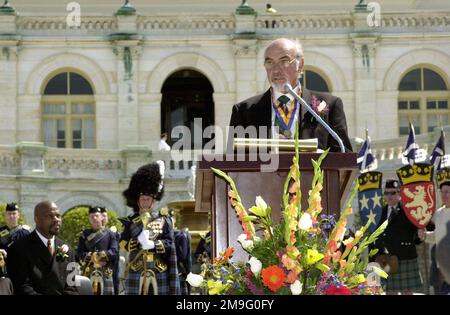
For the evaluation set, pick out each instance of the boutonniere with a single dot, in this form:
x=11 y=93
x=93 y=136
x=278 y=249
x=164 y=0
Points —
x=113 y=229
x=61 y=253
x=320 y=107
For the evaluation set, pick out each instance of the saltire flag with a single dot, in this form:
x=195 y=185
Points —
x=438 y=152
x=366 y=160
x=411 y=146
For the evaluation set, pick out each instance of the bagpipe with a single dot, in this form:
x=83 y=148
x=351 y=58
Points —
x=96 y=269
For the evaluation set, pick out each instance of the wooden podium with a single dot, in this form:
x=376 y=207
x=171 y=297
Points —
x=212 y=192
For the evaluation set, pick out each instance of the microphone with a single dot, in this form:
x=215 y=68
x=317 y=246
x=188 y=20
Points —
x=288 y=89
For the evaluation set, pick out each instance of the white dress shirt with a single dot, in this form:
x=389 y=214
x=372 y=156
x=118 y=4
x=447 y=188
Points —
x=45 y=240
x=275 y=95
x=163 y=146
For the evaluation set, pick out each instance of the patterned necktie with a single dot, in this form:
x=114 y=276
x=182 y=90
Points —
x=49 y=247
x=283 y=99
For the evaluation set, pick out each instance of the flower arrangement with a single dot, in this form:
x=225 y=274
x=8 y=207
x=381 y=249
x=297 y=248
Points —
x=62 y=253
x=306 y=253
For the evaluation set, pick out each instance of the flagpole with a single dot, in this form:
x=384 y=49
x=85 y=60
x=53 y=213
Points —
x=442 y=134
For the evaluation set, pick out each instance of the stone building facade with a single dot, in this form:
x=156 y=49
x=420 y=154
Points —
x=127 y=56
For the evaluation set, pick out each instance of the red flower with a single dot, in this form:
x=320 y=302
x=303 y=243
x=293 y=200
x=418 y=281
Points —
x=273 y=277
x=341 y=290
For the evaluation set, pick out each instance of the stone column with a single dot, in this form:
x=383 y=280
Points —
x=150 y=119
x=136 y=156
x=365 y=85
x=387 y=115
x=33 y=185
x=223 y=103
x=127 y=52
x=245 y=52
x=8 y=74
x=364 y=48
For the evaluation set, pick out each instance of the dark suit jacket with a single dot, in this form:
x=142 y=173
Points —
x=400 y=236
x=34 y=271
x=257 y=111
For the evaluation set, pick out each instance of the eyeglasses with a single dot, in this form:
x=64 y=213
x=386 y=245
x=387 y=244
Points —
x=390 y=193
x=285 y=63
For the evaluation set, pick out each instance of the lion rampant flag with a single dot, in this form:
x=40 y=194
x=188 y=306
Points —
x=417 y=193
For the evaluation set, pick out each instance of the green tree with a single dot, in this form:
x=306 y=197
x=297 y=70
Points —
x=76 y=220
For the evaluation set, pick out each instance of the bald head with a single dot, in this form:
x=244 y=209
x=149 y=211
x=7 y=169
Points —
x=47 y=218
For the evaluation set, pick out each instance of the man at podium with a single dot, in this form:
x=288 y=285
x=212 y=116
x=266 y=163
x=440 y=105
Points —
x=283 y=60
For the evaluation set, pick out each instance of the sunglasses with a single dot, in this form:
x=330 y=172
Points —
x=390 y=193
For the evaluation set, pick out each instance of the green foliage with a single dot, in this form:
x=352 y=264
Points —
x=76 y=220
x=266 y=249
x=2 y=215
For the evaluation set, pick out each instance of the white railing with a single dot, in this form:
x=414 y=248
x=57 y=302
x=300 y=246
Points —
x=87 y=163
x=88 y=24
x=299 y=24
x=196 y=24
x=226 y=24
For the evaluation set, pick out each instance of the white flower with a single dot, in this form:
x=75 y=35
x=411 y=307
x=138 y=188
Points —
x=305 y=222
x=256 y=238
x=194 y=280
x=242 y=238
x=64 y=248
x=322 y=106
x=260 y=203
x=296 y=288
x=246 y=244
x=113 y=229
x=255 y=265
x=26 y=227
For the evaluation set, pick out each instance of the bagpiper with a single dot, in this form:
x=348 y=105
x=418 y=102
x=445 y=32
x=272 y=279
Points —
x=12 y=231
x=97 y=251
x=113 y=229
x=148 y=236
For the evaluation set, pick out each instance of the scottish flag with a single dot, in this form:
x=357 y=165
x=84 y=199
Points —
x=411 y=146
x=438 y=152
x=366 y=160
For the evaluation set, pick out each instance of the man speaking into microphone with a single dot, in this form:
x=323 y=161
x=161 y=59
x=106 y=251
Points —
x=275 y=113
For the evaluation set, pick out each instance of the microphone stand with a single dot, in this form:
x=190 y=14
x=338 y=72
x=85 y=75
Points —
x=289 y=89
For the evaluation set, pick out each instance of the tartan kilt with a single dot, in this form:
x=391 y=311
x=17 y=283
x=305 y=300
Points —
x=406 y=277
x=108 y=286
x=132 y=283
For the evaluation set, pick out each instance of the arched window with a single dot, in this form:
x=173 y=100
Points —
x=187 y=98
x=314 y=81
x=423 y=100
x=68 y=112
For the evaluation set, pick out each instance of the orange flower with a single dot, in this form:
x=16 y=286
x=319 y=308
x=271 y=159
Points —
x=336 y=256
x=273 y=277
x=287 y=262
x=228 y=253
x=292 y=276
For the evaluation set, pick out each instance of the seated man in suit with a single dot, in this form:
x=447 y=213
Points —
x=37 y=263
x=283 y=60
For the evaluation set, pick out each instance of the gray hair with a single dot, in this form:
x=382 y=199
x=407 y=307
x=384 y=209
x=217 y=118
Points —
x=297 y=44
